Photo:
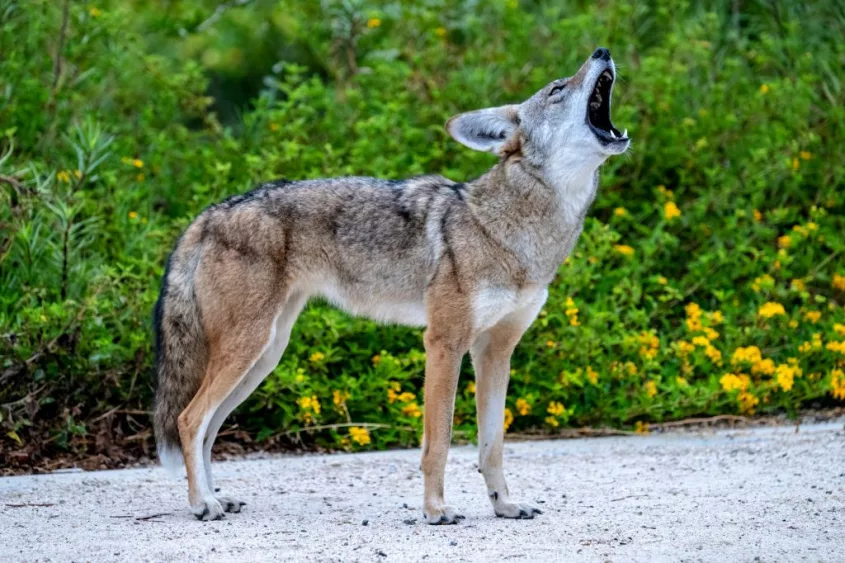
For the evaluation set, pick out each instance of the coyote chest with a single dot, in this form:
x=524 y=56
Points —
x=491 y=305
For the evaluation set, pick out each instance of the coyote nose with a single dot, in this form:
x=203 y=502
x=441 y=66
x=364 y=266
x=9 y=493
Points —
x=602 y=53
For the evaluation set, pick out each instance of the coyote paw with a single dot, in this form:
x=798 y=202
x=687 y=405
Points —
x=208 y=509
x=231 y=504
x=516 y=510
x=442 y=515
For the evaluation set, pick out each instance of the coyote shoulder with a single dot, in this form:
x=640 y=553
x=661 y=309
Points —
x=469 y=261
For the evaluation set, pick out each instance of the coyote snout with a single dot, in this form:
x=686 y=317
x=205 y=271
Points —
x=470 y=261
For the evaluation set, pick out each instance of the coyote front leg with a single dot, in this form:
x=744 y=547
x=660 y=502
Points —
x=491 y=355
x=445 y=345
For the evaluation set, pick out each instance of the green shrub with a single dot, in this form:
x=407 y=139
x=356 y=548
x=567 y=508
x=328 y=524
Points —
x=709 y=278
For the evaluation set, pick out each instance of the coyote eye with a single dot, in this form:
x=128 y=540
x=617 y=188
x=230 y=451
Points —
x=556 y=90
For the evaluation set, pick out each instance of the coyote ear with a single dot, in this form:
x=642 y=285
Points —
x=486 y=130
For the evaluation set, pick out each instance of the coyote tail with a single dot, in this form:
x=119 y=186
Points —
x=181 y=351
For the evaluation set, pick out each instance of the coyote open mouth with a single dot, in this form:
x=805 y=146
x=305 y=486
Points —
x=598 y=111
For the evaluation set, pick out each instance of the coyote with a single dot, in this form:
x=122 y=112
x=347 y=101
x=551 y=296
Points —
x=471 y=261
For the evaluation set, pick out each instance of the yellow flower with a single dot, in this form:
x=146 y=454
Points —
x=133 y=215
x=763 y=282
x=671 y=211
x=412 y=410
x=798 y=285
x=838 y=282
x=339 y=397
x=522 y=407
x=701 y=341
x=713 y=354
x=137 y=163
x=837 y=384
x=785 y=241
x=765 y=367
x=551 y=343
x=592 y=375
x=471 y=387
x=78 y=174
x=770 y=309
x=376 y=359
x=685 y=348
x=666 y=193
x=555 y=408
x=631 y=368
x=811 y=226
x=805 y=155
x=508 y=418
x=95 y=13
x=440 y=32
x=693 y=311
x=662 y=280
x=681 y=381
x=650 y=388
x=406 y=397
x=793 y=323
x=764 y=88
x=813 y=316
x=796 y=163
x=747 y=402
x=359 y=435
x=711 y=334
x=317 y=357
x=785 y=376
x=309 y=403
x=623 y=249
x=571 y=312
x=649 y=344
x=757 y=215
x=836 y=347
x=733 y=382
x=552 y=421
x=839 y=329
x=63 y=176
x=373 y=23
x=620 y=211
x=750 y=354
x=641 y=427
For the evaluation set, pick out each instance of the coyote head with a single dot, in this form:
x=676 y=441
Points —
x=563 y=126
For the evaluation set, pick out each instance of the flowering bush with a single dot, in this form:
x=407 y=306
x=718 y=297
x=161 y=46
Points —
x=709 y=278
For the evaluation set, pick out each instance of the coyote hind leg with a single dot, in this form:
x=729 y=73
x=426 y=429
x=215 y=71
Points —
x=232 y=355
x=262 y=368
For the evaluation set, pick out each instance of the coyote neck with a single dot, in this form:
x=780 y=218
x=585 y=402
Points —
x=539 y=220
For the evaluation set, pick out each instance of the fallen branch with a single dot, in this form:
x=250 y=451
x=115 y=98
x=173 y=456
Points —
x=694 y=421
x=27 y=504
x=151 y=516
x=626 y=497
x=341 y=425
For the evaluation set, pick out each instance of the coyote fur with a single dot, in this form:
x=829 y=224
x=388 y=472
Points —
x=471 y=261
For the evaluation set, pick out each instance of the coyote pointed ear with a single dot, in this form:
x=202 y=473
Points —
x=486 y=130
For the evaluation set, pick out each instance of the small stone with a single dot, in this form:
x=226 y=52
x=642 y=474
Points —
x=365 y=522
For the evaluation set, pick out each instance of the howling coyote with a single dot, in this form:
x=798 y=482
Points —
x=470 y=261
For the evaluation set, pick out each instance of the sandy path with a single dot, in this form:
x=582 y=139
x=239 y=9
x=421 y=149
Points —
x=723 y=496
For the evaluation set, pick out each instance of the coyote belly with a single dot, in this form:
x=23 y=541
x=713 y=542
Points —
x=470 y=261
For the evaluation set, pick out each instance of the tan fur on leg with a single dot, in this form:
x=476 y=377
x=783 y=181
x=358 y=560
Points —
x=491 y=354
x=446 y=342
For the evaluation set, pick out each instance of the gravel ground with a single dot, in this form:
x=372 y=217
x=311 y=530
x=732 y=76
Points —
x=735 y=495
